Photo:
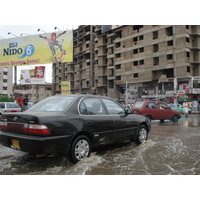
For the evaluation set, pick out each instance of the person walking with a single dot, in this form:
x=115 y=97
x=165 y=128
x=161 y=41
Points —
x=25 y=102
x=20 y=101
x=185 y=107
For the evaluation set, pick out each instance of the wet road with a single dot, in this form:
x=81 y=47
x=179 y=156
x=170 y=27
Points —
x=171 y=149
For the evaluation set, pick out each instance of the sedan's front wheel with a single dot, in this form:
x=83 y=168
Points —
x=80 y=149
x=142 y=134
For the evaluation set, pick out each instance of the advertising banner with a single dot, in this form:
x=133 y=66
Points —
x=23 y=91
x=33 y=76
x=65 y=87
x=37 y=49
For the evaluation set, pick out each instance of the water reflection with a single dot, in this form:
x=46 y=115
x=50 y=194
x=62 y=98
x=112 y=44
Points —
x=190 y=121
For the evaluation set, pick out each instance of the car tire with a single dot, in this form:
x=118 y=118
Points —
x=80 y=149
x=175 y=118
x=142 y=134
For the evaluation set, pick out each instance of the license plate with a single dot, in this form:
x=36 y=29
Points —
x=15 y=144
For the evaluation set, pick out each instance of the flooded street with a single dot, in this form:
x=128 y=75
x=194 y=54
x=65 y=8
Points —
x=172 y=149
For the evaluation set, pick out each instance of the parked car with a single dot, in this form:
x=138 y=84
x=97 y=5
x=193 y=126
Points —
x=156 y=110
x=30 y=104
x=71 y=125
x=179 y=107
x=9 y=107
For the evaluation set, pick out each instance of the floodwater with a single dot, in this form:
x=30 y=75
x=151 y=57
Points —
x=171 y=149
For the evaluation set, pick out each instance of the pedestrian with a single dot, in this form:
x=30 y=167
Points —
x=185 y=107
x=20 y=101
x=25 y=102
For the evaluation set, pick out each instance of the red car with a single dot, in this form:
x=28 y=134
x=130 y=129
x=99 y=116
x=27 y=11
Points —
x=156 y=110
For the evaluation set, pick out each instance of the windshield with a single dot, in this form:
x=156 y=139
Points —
x=138 y=104
x=55 y=103
x=12 y=105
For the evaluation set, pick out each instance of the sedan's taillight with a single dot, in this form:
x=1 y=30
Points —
x=38 y=129
x=3 y=125
x=31 y=128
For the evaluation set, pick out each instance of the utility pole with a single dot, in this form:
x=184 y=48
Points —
x=15 y=83
x=126 y=94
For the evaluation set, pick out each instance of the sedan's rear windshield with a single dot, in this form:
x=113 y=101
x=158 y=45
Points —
x=12 y=105
x=52 y=104
x=138 y=104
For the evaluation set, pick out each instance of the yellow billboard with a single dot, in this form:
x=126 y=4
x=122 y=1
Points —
x=65 y=87
x=37 y=49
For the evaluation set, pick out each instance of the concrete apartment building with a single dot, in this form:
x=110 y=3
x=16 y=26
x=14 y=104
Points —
x=6 y=78
x=146 y=57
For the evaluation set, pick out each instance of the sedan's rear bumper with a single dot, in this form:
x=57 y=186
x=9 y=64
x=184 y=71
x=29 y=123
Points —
x=36 y=144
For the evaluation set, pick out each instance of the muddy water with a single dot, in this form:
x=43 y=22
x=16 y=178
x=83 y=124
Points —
x=171 y=149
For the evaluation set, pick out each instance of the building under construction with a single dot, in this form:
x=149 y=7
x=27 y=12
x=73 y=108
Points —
x=147 y=60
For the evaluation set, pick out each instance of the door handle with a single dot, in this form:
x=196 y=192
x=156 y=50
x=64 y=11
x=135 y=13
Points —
x=89 y=122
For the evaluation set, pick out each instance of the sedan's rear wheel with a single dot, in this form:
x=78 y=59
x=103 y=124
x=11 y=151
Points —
x=80 y=149
x=142 y=134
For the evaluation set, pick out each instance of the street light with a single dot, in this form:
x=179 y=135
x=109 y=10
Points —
x=9 y=33
x=25 y=34
x=2 y=37
x=57 y=28
x=78 y=74
x=41 y=30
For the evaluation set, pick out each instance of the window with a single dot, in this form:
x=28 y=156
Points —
x=169 y=57
x=155 y=48
x=135 y=51
x=113 y=108
x=91 y=106
x=141 y=49
x=135 y=39
x=141 y=62
x=135 y=63
x=137 y=27
x=2 y=105
x=156 y=61
x=118 y=77
x=169 y=31
x=141 y=37
x=187 y=39
x=118 y=44
x=118 y=55
x=188 y=54
x=188 y=69
x=155 y=35
x=170 y=43
x=135 y=75
x=118 y=66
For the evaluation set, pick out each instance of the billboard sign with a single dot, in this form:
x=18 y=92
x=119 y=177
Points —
x=33 y=76
x=37 y=49
x=65 y=87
